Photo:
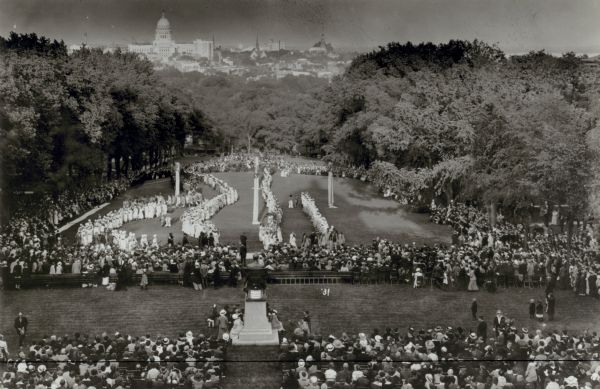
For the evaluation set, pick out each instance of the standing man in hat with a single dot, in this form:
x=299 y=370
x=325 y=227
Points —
x=497 y=321
x=21 y=324
x=474 y=309
x=482 y=328
x=222 y=324
x=243 y=248
x=550 y=306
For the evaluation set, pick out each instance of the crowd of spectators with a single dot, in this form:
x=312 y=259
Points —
x=505 y=254
x=443 y=357
x=83 y=361
x=203 y=263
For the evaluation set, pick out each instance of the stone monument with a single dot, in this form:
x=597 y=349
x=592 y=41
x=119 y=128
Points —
x=330 y=190
x=257 y=328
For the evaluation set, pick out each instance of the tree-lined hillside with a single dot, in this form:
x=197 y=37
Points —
x=63 y=118
x=470 y=123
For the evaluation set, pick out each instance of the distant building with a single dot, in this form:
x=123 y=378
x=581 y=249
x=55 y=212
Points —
x=73 y=48
x=164 y=47
x=273 y=45
x=321 y=47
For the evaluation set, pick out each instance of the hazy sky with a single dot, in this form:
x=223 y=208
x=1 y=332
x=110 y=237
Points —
x=516 y=25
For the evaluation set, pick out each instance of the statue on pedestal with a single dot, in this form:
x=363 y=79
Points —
x=256 y=283
x=257 y=328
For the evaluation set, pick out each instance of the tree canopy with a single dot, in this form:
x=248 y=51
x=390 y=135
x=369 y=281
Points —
x=458 y=120
x=64 y=118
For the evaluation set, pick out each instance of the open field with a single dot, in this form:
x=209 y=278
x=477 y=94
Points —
x=361 y=213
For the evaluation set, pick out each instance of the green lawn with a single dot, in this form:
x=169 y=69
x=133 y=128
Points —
x=362 y=214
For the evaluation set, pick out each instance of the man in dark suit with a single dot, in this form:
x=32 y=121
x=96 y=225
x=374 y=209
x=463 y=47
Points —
x=474 y=309
x=243 y=248
x=482 y=328
x=202 y=240
x=497 y=321
x=551 y=306
x=21 y=324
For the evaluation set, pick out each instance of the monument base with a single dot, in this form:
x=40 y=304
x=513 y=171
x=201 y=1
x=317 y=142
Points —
x=257 y=329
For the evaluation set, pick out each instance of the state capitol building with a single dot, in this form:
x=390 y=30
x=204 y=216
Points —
x=164 y=47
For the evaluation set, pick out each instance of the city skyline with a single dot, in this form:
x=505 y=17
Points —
x=516 y=26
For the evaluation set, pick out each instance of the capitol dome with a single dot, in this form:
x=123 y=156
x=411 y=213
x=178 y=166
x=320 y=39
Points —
x=163 y=23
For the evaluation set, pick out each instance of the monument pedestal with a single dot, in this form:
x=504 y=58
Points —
x=257 y=328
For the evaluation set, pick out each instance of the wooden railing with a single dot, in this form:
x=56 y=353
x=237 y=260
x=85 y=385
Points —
x=160 y=277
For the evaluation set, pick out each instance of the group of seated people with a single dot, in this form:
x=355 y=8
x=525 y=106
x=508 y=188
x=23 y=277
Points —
x=505 y=254
x=102 y=260
x=443 y=357
x=241 y=162
x=83 y=361
x=509 y=262
x=72 y=202
x=69 y=204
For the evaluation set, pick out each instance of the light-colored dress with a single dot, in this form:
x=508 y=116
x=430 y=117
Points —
x=275 y=323
x=472 y=282
x=238 y=325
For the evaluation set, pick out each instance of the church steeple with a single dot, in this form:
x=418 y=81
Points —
x=257 y=45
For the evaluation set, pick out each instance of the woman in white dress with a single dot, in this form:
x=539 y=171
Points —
x=275 y=323
x=291 y=202
x=157 y=209
x=472 y=281
x=238 y=325
x=292 y=239
x=144 y=241
x=150 y=211
x=554 y=220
